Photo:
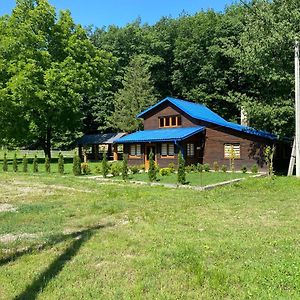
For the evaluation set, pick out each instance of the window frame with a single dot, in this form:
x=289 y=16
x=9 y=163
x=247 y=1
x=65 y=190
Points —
x=178 y=121
x=136 y=155
x=232 y=144
x=168 y=155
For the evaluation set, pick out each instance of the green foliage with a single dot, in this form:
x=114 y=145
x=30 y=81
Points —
x=254 y=169
x=232 y=158
x=165 y=171
x=269 y=156
x=76 y=165
x=5 y=163
x=181 y=169
x=224 y=168
x=200 y=168
x=152 y=172
x=216 y=166
x=35 y=164
x=86 y=170
x=125 y=169
x=47 y=164
x=25 y=163
x=104 y=166
x=244 y=169
x=61 y=163
x=206 y=167
x=15 y=163
x=171 y=167
x=134 y=169
x=116 y=168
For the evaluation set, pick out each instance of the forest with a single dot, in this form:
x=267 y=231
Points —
x=59 y=79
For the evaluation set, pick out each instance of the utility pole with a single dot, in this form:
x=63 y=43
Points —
x=297 y=108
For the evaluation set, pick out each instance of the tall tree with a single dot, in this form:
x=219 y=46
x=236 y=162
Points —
x=136 y=95
x=48 y=66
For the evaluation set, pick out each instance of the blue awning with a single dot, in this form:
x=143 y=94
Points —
x=160 y=135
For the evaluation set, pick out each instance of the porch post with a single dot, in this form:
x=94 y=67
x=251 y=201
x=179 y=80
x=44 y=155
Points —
x=115 y=151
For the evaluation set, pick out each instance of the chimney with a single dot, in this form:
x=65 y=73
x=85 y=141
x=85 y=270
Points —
x=244 y=117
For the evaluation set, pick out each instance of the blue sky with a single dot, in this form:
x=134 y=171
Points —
x=120 y=12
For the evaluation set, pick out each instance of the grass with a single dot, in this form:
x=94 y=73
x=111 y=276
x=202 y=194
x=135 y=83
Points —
x=119 y=241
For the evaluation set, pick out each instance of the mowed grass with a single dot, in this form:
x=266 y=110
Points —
x=89 y=240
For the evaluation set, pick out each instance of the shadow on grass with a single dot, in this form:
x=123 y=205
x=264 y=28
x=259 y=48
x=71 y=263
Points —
x=80 y=238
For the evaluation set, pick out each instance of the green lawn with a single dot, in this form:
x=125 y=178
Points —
x=81 y=239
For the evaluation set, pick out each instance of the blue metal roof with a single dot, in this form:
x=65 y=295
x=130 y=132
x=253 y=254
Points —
x=203 y=113
x=160 y=135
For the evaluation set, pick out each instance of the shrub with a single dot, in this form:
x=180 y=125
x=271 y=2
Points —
x=98 y=169
x=224 y=168
x=61 y=164
x=216 y=166
x=232 y=158
x=5 y=163
x=47 y=164
x=188 y=169
x=134 y=169
x=76 y=165
x=125 y=169
x=269 y=156
x=171 y=167
x=199 y=168
x=165 y=171
x=86 y=170
x=142 y=167
x=244 y=169
x=206 y=167
x=104 y=166
x=254 y=169
x=35 y=164
x=152 y=168
x=116 y=168
x=181 y=169
x=15 y=163
x=25 y=164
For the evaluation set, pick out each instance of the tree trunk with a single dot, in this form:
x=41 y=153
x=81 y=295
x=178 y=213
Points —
x=47 y=145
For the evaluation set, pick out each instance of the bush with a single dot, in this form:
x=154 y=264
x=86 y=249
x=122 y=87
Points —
x=244 y=169
x=61 y=164
x=181 y=169
x=35 y=165
x=165 y=171
x=200 y=168
x=224 y=168
x=171 y=167
x=116 y=168
x=76 y=165
x=206 y=167
x=104 y=166
x=254 y=169
x=142 y=167
x=216 y=166
x=25 y=164
x=125 y=169
x=15 y=163
x=5 y=163
x=152 y=172
x=86 y=170
x=47 y=164
x=134 y=169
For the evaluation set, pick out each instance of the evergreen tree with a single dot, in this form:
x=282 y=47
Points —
x=181 y=169
x=47 y=164
x=152 y=168
x=136 y=95
x=5 y=163
x=35 y=164
x=61 y=166
x=15 y=163
x=104 y=166
x=25 y=163
x=76 y=165
x=125 y=169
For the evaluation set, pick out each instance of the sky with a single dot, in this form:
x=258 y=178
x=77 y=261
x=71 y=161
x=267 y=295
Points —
x=120 y=12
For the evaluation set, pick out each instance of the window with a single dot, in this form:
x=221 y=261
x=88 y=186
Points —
x=170 y=121
x=135 y=150
x=190 y=150
x=232 y=149
x=167 y=149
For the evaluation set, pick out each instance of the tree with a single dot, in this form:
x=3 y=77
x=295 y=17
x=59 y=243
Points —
x=152 y=168
x=15 y=163
x=136 y=95
x=76 y=165
x=48 y=66
x=125 y=169
x=61 y=163
x=47 y=165
x=5 y=163
x=25 y=163
x=181 y=169
x=104 y=165
x=35 y=164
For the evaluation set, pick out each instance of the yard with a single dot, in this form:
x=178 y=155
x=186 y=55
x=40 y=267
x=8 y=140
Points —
x=76 y=238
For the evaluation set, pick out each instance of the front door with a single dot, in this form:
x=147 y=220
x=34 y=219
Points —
x=149 y=149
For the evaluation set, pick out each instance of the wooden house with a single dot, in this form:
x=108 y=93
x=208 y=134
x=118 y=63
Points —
x=174 y=125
